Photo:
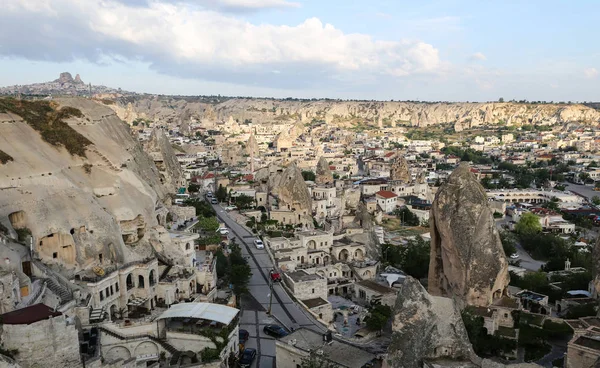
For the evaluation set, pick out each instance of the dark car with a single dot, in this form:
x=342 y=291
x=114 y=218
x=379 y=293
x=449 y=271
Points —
x=244 y=335
x=275 y=330
x=247 y=357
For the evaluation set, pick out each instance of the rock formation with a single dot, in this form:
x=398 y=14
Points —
x=343 y=113
x=78 y=207
x=323 y=174
x=596 y=269
x=425 y=327
x=252 y=146
x=162 y=152
x=292 y=193
x=467 y=260
x=399 y=169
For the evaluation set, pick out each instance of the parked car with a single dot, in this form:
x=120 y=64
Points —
x=247 y=357
x=223 y=231
x=230 y=208
x=259 y=244
x=275 y=276
x=514 y=256
x=214 y=201
x=275 y=330
x=209 y=194
x=244 y=335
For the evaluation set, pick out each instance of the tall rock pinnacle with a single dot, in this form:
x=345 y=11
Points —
x=399 y=169
x=323 y=174
x=467 y=260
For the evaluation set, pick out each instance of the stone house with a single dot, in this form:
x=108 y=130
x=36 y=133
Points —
x=386 y=200
x=369 y=291
x=185 y=243
x=306 y=286
x=583 y=351
x=41 y=334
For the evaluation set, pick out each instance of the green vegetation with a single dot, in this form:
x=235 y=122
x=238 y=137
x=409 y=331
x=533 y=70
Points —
x=378 y=317
x=207 y=223
x=486 y=345
x=203 y=209
x=468 y=154
x=243 y=202
x=49 y=122
x=193 y=188
x=412 y=258
x=5 y=157
x=308 y=175
x=529 y=224
x=23 y=233
x=221 y=194
x=238 y=272
x=407 y=217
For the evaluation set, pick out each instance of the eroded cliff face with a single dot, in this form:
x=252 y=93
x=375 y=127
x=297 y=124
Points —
x=384 y=114
x=159 y=147
x=425 y=327
x=467 y=259
x=94 y=209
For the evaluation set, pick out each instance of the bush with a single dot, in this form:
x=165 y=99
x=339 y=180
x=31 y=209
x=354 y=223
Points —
x=209 y=355
x=23 y=233
x=49 y=122
x=5 y=157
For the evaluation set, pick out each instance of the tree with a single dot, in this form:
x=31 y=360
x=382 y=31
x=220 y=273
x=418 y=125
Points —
x=501 y=99
x=528 y=224
x=308 y=175
x=208 y=223
x=221 y=194
x=596 y=200
x=508 y=243
x=407 y=217
x=412 y=258
x=378 y=317
x=243 y=201
x=239 y=271
x=221 y=263
x=193 y=188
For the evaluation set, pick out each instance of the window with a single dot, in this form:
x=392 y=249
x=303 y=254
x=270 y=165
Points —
x=101 y=295
x=100 y=257
x=111 y=290
x=55 y=255
x=107 y=292
x=117 y=287
x=362 y=294
x=313 y=291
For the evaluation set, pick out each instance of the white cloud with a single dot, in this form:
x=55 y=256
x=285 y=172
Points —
x=180 y=39
x=256 y=4
x=590 y=73
x=478 y=56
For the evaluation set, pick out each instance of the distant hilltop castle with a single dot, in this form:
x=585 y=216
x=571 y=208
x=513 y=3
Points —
x=66 y=77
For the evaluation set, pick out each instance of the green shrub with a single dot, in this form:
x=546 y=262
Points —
x=23 y=233
x=49 y=122
x=5 y=157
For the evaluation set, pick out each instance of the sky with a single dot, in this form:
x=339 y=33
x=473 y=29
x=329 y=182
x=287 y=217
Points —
x=446 y=50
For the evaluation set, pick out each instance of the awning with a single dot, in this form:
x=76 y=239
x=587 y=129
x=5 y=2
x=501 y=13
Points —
x=136 y=302
x=207 y=311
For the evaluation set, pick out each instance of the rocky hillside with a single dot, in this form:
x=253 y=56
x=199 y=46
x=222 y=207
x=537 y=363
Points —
x=78 y=181
x=65 y=84
x=351 y=113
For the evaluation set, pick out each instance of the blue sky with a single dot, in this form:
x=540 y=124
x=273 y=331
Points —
x=418 y=50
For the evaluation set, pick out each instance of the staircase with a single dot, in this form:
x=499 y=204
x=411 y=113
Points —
x=97 y=315
x=55 y=283
x=175 y=354
x=165 y=272
x=63 y=293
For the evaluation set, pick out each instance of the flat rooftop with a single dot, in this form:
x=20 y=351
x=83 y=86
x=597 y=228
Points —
x=29 y=315
x=299 y=276
x=315 y=232
x=315 y=302
x=375 y=286
x=591 y=342
x=338 y=352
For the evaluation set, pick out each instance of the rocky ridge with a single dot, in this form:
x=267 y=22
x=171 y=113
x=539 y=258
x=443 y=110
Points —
x=460 y=116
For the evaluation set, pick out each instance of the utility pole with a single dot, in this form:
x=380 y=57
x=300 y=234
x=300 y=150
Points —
x=270 y=298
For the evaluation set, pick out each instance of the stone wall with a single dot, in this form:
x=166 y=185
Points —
x=47 y=343
x=183 y=213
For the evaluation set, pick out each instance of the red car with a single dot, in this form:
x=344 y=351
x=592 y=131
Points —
x=275 y=276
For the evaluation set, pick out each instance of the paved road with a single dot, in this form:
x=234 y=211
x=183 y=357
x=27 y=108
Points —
x=527 y=262
x=583 y=190
x=254 y=317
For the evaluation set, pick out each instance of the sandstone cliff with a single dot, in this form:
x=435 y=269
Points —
x=96 y=207
x=399 y=170
x=292 y=193
x=467 y=259
x=458 y=115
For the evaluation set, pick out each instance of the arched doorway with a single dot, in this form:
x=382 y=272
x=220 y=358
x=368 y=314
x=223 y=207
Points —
x=302 y=259
x=344 y=255
x=152 y=278
x=113 y=312
x=141 y=283
x=325 y=259
x=311 y=244
x=192 y=287
x=358 y=255
x=129 y=282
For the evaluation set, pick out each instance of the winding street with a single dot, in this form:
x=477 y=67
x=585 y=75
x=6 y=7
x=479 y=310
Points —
x=285 y=311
